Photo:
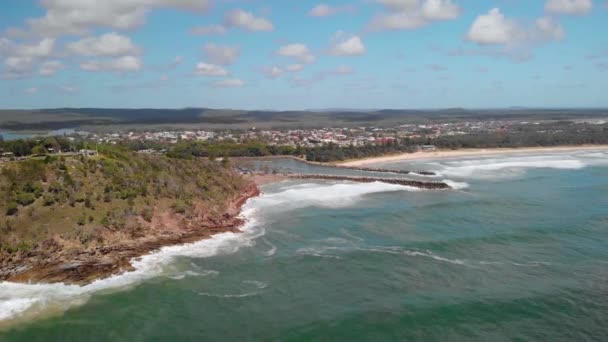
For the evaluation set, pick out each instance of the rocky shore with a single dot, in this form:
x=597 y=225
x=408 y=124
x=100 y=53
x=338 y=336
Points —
x=398 y=181
x=57 y=260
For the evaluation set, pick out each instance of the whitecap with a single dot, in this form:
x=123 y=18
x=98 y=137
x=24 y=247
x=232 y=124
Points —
x=325 y=194
x=456 y=185
x=243 y=295
x=27 y=300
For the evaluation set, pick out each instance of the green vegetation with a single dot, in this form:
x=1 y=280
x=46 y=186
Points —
x=78 y=198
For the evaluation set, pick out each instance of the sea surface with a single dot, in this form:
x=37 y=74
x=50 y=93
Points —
x=518 y=251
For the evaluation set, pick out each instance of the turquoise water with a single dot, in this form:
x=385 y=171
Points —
x=519 y=252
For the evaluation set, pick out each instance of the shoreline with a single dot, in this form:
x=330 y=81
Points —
x=53 y=264
x=444 y=154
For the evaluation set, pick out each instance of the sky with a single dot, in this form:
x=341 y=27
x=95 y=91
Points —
x=301 y=54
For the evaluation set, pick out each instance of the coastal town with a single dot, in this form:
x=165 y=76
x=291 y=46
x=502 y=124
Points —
x=341 y=136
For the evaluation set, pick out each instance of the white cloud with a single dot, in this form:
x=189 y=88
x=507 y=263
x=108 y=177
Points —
x=276 y=71
x=18 y=65
x=547 y=29
x=205 y=69
x=574 y=7
x=493 y=28
x=412 y=14
x=208 y=30
x=22 y=58
x=440 y=10
x=229 y=83
x=50 y=68
x=273 y=71
x=31 y=90
x=221 y=54
x=298 y=51
x=324 y=10
x=42 y=49
x=109 y=44
x=248 y=21
x=79 y=16
x=347 y=46
x=121 y=64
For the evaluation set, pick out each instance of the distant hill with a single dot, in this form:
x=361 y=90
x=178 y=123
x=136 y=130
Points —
x=205 y=118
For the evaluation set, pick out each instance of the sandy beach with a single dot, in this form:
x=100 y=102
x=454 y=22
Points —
x=440 y=154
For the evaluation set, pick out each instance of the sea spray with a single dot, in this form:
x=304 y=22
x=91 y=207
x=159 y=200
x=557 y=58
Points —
x=28 y=300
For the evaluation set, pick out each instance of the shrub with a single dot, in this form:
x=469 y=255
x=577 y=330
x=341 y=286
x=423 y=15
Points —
x=25 y=198
x=82 y=220
x=179 y=207
x=147 y=214
x=48 y=200
x=12 y=208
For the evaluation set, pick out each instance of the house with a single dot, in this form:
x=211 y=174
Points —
x=87 y=153
x=427 y=148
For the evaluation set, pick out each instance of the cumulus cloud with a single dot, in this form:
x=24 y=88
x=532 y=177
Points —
x=221 y=54
x=77 y=17
x=248 y=21
x=206 y=69
x=109 y=44
x=21 y=59
x=50 y=68
x=324 y=10
x=572 y=7
x=208 y=30
x=121 y=64
x=276 y=71
x=18 y=65
x=229 y=83
x=347 y=45
x=301 y=52
x=494 y=28
x=412 y=14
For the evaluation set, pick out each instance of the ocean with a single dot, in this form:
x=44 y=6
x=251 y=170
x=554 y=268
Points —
x=517 y=251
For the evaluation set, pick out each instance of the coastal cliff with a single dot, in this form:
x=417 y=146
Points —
x=79 y=219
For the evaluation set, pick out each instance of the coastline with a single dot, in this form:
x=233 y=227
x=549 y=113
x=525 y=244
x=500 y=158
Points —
x=443 y=154
x=53 y=263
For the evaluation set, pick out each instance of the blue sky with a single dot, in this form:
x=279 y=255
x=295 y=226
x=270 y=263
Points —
x=288 y=54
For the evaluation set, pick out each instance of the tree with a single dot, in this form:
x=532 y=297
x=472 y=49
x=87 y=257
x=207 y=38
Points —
x=39 y=150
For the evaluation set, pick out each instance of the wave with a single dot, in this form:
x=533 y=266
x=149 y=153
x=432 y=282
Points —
x=272 y=251
x=243 y=295
x=20 y=301
x=509 y=166
x=325 y=194
x=456 y=185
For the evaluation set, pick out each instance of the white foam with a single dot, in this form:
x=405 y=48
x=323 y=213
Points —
x=18 y=300
x=243 y=295
x=508 y=166
x=272 y=250
x=333 y=195
x=456 y=185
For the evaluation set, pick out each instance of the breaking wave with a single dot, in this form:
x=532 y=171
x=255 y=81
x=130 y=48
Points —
x=325 y=194
x=510 y=166
x=22 y=301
